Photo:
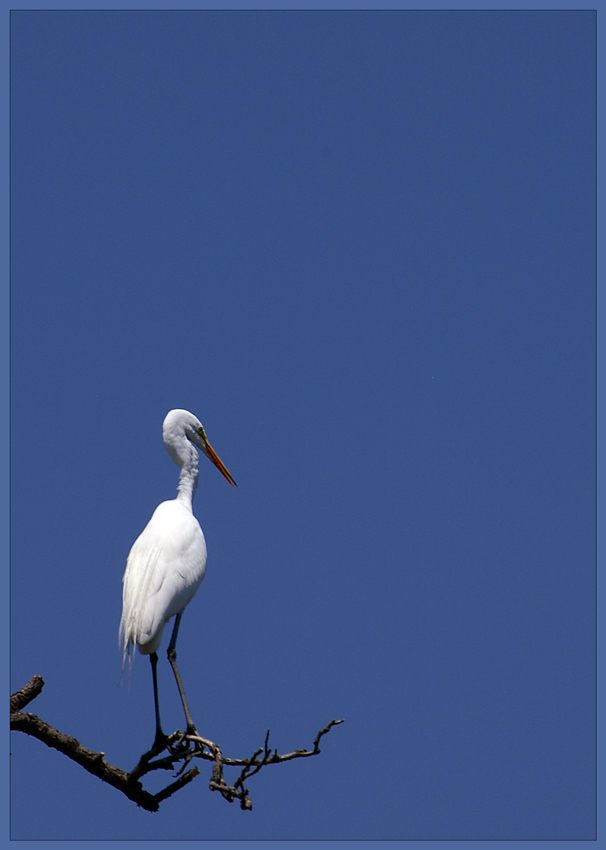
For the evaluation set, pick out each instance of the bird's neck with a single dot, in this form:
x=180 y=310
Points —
x=188 y=479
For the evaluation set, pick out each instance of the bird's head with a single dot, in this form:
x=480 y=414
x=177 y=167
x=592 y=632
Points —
x=180 y=424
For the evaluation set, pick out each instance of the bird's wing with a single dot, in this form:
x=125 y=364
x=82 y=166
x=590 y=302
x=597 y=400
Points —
x=141 y=578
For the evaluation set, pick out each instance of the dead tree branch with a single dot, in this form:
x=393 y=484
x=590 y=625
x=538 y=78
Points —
x=181 y=748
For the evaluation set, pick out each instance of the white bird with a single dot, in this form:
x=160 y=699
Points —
x=168 y=560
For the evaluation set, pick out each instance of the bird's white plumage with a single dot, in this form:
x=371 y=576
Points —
x=168 y=560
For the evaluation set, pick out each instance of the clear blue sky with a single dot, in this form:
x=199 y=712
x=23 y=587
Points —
x=361 y=248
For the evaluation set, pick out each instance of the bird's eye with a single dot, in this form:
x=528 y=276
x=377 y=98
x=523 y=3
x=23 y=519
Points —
x=202 y=433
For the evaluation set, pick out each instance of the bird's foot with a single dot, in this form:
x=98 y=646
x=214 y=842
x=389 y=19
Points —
x=191 y=730
x=160 y=744
x=180 y=742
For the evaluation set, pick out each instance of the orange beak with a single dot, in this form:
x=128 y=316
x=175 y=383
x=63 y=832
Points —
x=212 y=455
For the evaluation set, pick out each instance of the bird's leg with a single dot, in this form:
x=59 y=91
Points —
x=160 y=741
x=172 y=657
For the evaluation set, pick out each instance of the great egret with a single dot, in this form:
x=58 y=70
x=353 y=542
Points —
x=168 y=560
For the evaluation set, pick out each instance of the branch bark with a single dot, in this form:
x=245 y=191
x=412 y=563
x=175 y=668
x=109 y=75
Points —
x=181 y=748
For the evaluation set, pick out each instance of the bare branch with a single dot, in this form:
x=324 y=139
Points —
x=181 y=748
x=91 y=761
x=27 y=693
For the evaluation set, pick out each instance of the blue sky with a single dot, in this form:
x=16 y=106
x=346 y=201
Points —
x=361 y=248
